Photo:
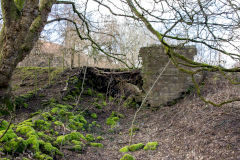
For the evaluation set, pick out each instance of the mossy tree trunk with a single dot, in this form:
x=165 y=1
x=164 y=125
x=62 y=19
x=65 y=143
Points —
x=23 y=21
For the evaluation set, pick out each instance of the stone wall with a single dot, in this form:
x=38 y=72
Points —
x=172 y=83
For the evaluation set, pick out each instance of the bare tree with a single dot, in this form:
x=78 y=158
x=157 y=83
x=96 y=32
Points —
x=23 y=22
x=211 y=25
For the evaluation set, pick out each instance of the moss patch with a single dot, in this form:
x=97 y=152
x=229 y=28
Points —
x=100 y=138
x=90 y=137
x=63 y=139
x=127 y=157
x=135 y=147
x=10 y=134
x=99 y=145
x=151 y=146
x=124 y=149
x=114 y=119
x=4 y=124
x=94 y=115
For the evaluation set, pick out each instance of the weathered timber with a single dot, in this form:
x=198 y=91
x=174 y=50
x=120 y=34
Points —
x=111 y=81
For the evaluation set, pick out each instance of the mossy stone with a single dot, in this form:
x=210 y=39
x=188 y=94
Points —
x=42 y=124
x=51 y=149
x=99 y=145
x=104 y=103
x=151 y=146
x=94 y=115
x=4 y=124
x=69 y=137
x=135 y=147
x=124 y=149
x=61 y=140
x=127 y=157
x=97 y=105
x=34 y=114
x=75 y=125
x=100 y=138
x=90 y=137
x=17 y=145
x=34 y=142
x=58 y=123
x=41 y=156
x=77 y=148
x=80 y=118
x=8 y=136
x=54 y=110
x=47 y=116
x=100 y=95
x=94 y=123
x=77 y=142
x=24 y=129
x=44 y=136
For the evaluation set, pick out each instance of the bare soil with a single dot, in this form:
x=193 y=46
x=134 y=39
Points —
x=188 y=130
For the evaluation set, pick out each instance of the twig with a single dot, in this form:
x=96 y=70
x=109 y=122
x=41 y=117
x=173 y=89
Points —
x=144 y=100
x=84 y=77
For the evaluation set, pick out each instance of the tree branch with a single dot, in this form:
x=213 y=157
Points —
x=94 y=44
x=9 y=11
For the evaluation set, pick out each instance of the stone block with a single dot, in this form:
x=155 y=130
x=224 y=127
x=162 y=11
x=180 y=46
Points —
x=172 y=82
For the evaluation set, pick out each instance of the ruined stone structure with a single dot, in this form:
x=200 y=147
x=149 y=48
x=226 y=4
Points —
x=172 y=83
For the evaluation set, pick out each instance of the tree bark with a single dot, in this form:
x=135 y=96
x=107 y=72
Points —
x=21 y=29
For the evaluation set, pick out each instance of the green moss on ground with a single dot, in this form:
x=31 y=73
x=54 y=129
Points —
x=94 y=115
x=116 y=114
x=133 y=130
x=114 y=119
x=42 y=156
x=101 y=96
x=41 y=134
x=135 y=147
x=97 y=105
x=63 y=139
x=10 y=134
x=90 y=138
x=151 y=146
x=100 y=138
x=124 y=149
x=99 y=145
x=127 y=157
x=3 y=125
x=77 y=148
x=42 y=125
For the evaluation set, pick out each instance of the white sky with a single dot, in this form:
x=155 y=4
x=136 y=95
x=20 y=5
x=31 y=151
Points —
x=93 y=7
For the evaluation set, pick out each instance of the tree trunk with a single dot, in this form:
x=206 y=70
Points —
x=20 y=31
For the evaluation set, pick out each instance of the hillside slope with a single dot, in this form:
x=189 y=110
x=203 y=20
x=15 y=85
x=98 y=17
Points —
x=189 y=129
